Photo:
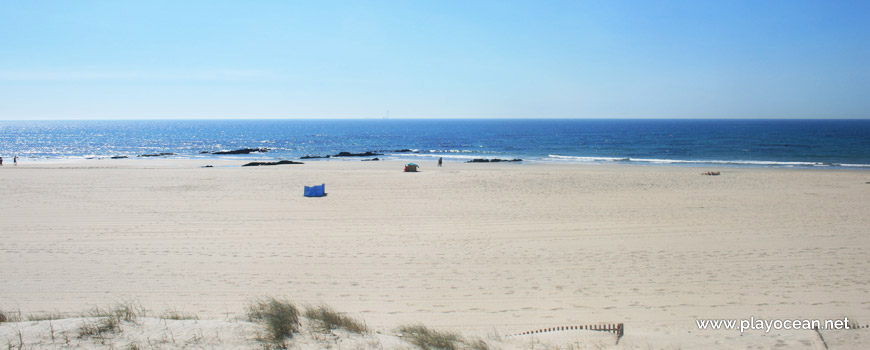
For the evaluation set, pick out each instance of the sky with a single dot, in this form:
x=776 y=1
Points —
x=434 y=59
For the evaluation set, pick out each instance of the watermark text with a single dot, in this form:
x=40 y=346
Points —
x=775 y=324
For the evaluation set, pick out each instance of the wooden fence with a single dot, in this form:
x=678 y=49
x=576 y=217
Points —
x=618 y=329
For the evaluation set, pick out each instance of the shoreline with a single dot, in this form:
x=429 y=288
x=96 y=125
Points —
x=238 y=161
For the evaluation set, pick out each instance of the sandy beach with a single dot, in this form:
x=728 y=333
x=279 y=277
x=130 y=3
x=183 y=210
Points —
x=473 y=248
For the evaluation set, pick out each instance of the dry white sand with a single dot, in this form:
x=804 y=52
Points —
x=475 y=248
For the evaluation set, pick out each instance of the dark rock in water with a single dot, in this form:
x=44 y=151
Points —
x=495 y=160
x=157 y=155
x=313 y=157
x=348 y=154
x=371 y=160
x=119 y=157
x=243 y=151
x=405 y=150
x=204 y=152
x=208 y=166
x=272 y=163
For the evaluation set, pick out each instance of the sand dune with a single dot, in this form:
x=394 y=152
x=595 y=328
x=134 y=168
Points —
x=467 y=247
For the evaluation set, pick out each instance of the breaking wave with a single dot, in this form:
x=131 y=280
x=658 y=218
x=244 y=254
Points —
x=556 y=157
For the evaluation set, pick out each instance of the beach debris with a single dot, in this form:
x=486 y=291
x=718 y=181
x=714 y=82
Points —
x=157 y=155
x=244 y=151
x=282 y=162
x=371 y=160
x=348 y=154
x=208 y=166
x=711 y=173
x=494 y=160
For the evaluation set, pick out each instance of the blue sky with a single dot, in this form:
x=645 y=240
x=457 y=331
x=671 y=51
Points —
x=435 y=59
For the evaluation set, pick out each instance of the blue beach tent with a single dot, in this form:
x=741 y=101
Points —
x=315 y=191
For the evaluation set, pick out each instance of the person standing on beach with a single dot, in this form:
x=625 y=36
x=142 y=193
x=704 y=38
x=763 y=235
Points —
x=15 y=160
x=440 y=159
x=1 y=161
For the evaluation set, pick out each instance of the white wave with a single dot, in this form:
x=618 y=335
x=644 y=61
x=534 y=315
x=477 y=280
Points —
x=450 y=151
x=699 y=161
x=433 y=156
x=588 y=159
x=714 y=161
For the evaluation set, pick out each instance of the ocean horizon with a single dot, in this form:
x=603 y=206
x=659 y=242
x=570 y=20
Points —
x=838 y=143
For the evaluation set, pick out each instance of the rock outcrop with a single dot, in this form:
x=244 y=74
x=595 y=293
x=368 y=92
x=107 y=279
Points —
x=243 y=151
x=282 y=162
x=348 y=154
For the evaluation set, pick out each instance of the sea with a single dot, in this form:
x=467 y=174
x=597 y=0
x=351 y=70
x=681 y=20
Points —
x=681 y=142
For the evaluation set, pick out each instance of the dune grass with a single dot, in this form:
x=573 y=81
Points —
x=45 y=317
x=430 y=339
x=329 y=319
x=280 y=317
x=477 y=344
x=100 y=327
x=125 y=311
x=109 y=319
x=173 y=314
x=10 y=316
